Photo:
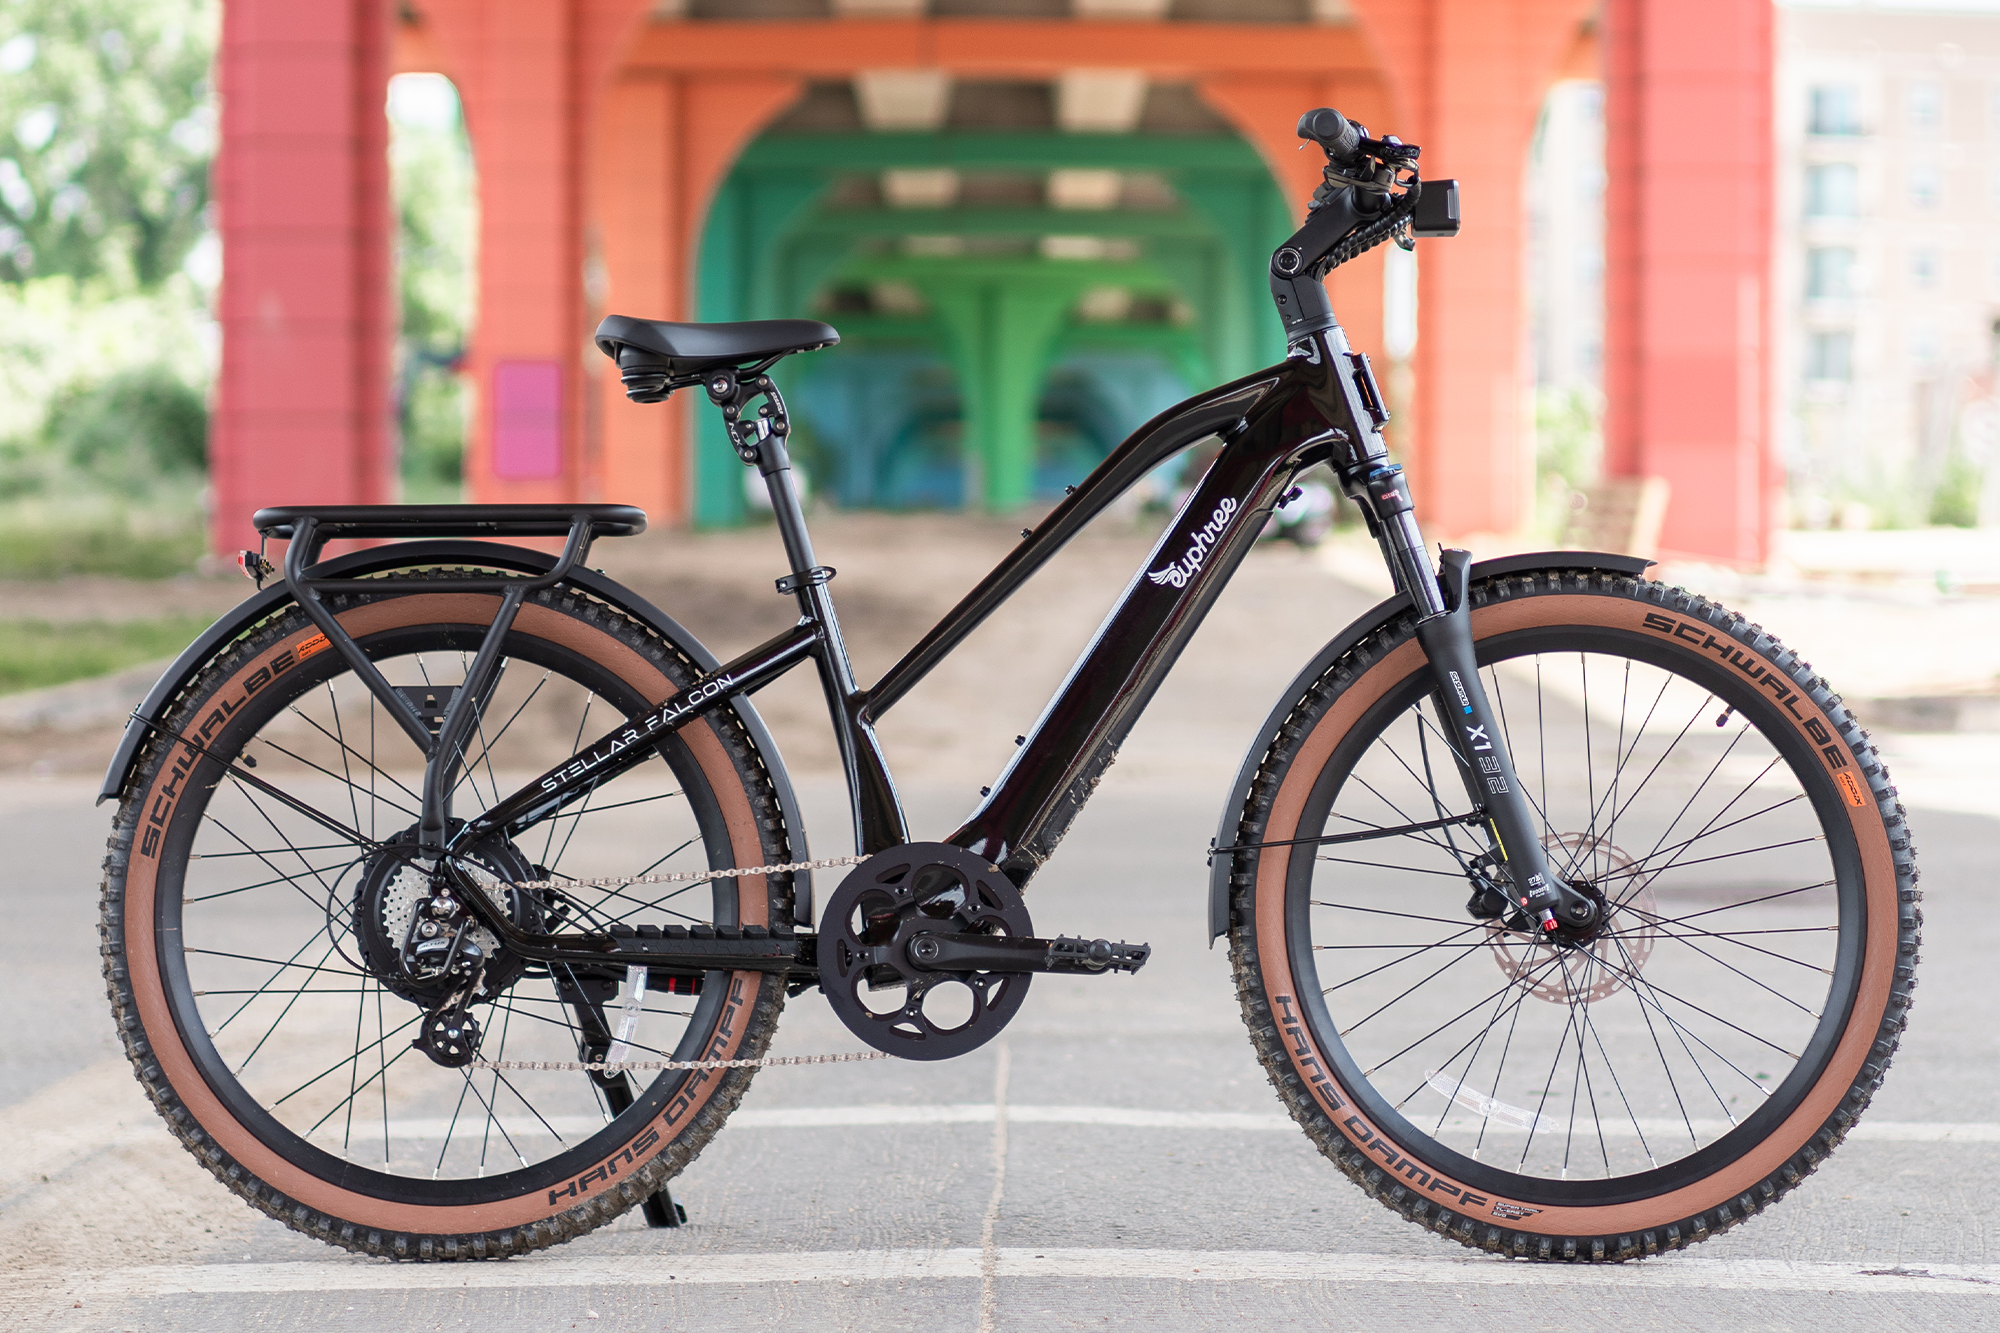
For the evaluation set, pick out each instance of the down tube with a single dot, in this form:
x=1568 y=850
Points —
x=1077 y=736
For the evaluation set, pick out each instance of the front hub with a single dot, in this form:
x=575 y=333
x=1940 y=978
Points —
x=1592 y=960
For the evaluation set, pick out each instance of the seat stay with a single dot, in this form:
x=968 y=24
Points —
x=308 y=533
x=630 y=744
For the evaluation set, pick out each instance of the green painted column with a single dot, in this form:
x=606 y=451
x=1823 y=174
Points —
x=736 y=279
x=1252 y=218
x=1001 y=335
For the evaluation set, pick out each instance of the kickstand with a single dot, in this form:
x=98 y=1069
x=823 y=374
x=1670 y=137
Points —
x=662 y=1210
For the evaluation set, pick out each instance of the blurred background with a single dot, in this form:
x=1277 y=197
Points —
x=1728 y=290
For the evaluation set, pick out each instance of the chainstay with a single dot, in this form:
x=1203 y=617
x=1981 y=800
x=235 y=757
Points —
x=688 y=877
x=623 y=1066
x=620 y=1066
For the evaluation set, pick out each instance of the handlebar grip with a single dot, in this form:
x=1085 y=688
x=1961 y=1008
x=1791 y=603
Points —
x=1331 y=131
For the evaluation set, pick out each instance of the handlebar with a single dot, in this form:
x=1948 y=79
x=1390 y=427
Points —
x=1371 y=193
x=1332 y=131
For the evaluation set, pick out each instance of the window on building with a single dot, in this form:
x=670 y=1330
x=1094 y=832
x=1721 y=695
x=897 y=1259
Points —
x=1924 y=106
x=1829 y=273
x=1923 y=269
x=1830 y=356
x=1833 y=190
x=1923 y=344
x=1836 y=109
x=1926 y=185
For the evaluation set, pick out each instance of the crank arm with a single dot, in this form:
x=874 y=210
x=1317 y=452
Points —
x=1004 y=953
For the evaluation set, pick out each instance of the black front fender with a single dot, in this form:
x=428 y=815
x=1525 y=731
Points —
x=273 y=600
x=1220 y=867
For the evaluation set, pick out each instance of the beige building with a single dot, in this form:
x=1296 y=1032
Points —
x=1888 y=261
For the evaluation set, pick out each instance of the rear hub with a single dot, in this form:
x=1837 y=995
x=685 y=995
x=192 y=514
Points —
x=420 y=942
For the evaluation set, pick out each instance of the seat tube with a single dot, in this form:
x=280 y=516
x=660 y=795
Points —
x=879 y=823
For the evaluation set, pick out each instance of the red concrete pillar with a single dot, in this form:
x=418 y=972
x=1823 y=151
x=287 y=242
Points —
x=661 y=149
x=1688 y=259
x=1468 y=78
x=634 y=249
x=531 y=78
x=307 y=314
x=516 y=70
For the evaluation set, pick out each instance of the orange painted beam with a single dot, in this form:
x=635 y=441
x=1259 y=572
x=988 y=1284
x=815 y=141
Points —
x=1266 y=111
x=635 y=269
x=1021 y=48
x=532 y=78
x=415 y=50
x=1585 y=57
x=1467 y=83
x=663 y=146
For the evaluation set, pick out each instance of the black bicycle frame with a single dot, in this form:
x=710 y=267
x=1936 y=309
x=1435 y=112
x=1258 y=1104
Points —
x=1321 y=405
x=1311 y=409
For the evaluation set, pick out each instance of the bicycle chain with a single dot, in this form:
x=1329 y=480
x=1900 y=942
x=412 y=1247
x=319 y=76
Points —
x=620 y=1066
x=688 y=877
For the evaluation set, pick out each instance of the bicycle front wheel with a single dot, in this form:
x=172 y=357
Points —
x=1637 y=1088
x=261 y=892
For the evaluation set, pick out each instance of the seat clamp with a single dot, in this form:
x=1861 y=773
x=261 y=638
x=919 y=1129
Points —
x=812 y=578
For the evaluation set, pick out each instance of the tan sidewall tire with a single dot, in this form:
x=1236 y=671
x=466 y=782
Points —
x=622 y=1176
x=1398 y=1172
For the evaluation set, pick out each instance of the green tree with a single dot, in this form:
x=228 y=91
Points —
x=107 y=125
x=431 y=168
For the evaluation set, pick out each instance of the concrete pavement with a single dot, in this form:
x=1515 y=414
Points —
x=1117 y=1160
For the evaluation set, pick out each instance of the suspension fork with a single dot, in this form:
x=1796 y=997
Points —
x=1472 y=728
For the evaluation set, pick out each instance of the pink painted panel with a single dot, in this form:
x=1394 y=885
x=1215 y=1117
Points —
x=527 y=420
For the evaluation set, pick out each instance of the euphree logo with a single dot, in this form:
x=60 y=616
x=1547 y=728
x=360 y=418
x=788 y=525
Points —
x=1200 y=542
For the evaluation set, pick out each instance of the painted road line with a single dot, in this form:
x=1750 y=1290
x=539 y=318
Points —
x=1671 y=1272
x=981 y=1113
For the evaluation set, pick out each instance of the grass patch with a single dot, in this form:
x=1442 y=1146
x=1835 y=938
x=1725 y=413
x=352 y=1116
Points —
x=35 y=548
x=53 y=536
x=35 y=653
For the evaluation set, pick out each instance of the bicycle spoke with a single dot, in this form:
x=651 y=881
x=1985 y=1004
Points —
x=1441 y=944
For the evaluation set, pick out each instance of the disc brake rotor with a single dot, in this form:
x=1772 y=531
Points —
x=1566 y=972
x=866 y=969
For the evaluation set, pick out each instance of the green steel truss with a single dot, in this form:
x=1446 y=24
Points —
x=774 y=243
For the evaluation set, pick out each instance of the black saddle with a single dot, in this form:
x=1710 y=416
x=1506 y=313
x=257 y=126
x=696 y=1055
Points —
x=689 y=349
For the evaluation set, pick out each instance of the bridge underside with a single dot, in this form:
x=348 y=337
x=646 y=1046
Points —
x=1032 y=232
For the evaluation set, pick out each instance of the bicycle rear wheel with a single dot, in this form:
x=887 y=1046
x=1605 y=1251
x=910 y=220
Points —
x=1642 y=1087
x=251 y=929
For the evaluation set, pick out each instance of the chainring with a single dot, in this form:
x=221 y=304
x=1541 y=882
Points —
x=864 y=961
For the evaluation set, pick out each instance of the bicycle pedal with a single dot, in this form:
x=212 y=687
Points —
x=1070 y=954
